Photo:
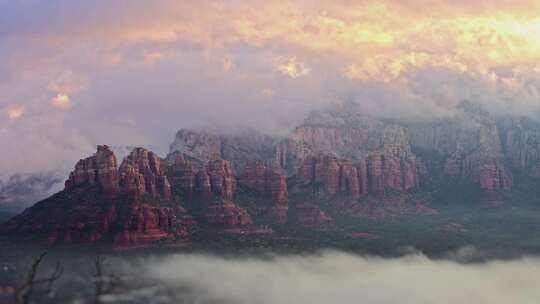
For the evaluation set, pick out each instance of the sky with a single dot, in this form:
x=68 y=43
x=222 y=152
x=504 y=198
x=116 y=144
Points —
x=74 y=74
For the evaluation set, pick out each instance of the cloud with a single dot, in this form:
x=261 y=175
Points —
x=335 y=277
x=133 y=74
x=61 y=101
x=291 y=67
x=14 y=112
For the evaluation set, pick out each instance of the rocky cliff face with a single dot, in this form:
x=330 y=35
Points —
x=373 y=175
x=146 y=224
x=470 y=145
x=99 y=170
x=271 y=184
x=350 y=154
x=344 y=133
x=143 y=173
x=521 y=144
x=209 y=190
x=246 y=145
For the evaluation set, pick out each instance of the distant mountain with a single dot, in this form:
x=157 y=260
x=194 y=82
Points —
x=339 y=161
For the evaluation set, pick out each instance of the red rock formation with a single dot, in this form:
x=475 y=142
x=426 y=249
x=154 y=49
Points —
x=131 y=181
x=98 y=198
x=216 y=184
x=311 y=215
x=182 y=176
x=222 y=180
x=471 y=148
x=226 y=214
x=146 y=224
x=141 y=165
x=271 y=185
x=98 y=170
x=209 y=191
x=375 y=174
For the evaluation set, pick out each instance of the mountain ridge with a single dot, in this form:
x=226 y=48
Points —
x=241 y=182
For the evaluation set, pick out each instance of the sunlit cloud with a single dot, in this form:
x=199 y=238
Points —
x=291 y=67
x=268 y=92
x=61 y=101
x=14 y=113
x=150 y=58
x=227 y=64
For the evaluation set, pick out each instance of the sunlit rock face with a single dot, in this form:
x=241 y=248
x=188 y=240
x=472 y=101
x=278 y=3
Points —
x=99 y=170
x=144 y=173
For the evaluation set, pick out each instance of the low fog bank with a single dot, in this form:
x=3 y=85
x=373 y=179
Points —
x=329 y=277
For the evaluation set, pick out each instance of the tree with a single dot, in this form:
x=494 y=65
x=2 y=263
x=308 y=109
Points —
x=103 y=283
x=33 y=285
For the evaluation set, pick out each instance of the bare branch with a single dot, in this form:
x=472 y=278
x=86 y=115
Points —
x=24 y=292
x=104 y=283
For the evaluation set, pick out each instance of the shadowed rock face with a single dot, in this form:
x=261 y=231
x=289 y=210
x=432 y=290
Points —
x=470 y=144
x=246 y=145
x=374 y=175
x=521 y=144
x=270 y=183
x=210 y=190
x=311 y=215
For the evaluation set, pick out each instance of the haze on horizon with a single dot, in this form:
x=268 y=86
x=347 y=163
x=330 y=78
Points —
x=74 y=74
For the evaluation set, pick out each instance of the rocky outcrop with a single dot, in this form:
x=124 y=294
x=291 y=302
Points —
x=146 y=224
x=99 y=170
x=239 y=147
x=469 y=145
x=209 y=190
x=215 y=185
x=351 y=154
x=345 y=133
x=226 y=214
x=521 y=144
x=271 y=185
x=182 y=176
x=374 y=175
x=142 y=172
x=215 y=180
